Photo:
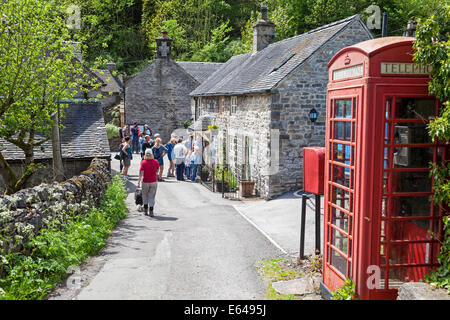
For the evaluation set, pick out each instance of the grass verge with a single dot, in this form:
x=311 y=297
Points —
x=273 y=270
x=58 y=247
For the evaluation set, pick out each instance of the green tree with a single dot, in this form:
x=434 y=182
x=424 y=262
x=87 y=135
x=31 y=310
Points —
x=37 y=71
x=200 y=21
x=402 y=11
x=111 y=29
x=180 y=47
x=433 y=48
x=214 y=50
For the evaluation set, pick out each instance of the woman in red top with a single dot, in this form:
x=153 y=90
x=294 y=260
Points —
x=147 y=175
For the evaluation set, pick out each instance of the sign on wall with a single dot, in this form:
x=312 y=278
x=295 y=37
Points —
x=350 y=72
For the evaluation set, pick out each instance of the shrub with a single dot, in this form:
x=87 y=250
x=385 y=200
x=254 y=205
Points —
x=112 y=131
x=346 y=292
x=61 y=246
x=186 y=124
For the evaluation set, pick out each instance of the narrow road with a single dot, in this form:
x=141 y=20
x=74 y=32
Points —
x=196 y=247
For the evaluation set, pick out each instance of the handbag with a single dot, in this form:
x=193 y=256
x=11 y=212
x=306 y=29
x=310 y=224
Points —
x=118 y=155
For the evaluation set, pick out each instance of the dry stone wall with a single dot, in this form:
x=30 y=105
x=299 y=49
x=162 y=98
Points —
x=25 y=213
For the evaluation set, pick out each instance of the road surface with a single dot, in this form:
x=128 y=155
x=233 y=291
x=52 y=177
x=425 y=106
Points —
x=196 y=247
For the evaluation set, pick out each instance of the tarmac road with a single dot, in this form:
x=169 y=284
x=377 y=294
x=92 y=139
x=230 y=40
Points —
x=196 y=247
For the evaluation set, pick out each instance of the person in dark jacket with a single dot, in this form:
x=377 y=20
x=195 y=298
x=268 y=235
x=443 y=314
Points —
x=148 y=143
x=135 y=138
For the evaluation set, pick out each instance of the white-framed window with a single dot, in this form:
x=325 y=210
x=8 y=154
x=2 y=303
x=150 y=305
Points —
x=233 y=104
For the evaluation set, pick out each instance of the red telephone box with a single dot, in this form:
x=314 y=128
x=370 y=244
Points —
x=378 y=211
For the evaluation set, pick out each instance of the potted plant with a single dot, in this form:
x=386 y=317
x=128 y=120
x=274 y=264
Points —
x=112 y=133
x=204 y=174
x=246 y=188
x=186 y=124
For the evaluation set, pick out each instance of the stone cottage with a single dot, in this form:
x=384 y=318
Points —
x=159 y=95
x=261 y=102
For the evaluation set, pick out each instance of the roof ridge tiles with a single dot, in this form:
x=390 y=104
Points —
x=261 y=71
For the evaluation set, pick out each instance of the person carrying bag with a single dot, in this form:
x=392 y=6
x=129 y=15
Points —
x=148 y=177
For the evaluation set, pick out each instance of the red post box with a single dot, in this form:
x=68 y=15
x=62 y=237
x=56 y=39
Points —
x=313 y=169
x=378 y=207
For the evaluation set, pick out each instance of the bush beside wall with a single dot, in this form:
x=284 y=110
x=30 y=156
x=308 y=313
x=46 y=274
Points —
x=26 y=212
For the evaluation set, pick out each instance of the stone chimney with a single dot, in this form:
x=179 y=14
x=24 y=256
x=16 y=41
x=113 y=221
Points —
x=111 y=66
x=263 y=32
x=410 y=29
x=163 y=45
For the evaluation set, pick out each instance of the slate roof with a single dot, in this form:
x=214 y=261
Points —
x=262 y=71
x=200 y=71
x=112 y=83
x=84 y=136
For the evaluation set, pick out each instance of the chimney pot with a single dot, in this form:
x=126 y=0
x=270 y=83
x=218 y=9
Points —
x=263 y=32
x=163 y=46
x=264 y=13
x=111 y=66
x=411 y=29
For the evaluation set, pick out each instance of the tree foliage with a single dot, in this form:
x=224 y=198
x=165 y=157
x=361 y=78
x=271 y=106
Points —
x=433 y=48
x=37 y=71
x=111 y=29
x=124 y=31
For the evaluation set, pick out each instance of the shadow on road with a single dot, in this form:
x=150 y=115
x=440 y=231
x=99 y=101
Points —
x=162 y=218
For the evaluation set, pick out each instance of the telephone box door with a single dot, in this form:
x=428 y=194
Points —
x=340 y=160
x=405 y=248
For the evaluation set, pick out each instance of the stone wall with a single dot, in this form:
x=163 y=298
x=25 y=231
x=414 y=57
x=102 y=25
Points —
x=421 y=291
x=72 y=167
x=252 y=121
x=294 y=97
x=24 y=213
x=109 y=104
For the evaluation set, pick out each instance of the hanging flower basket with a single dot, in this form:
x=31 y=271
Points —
x=214 y=129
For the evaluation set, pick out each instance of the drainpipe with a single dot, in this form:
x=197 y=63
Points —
x=384 y=27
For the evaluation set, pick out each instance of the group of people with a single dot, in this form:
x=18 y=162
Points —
x=185 y=160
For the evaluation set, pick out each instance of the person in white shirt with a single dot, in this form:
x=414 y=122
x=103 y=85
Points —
x=199 y=143
x=179 y=152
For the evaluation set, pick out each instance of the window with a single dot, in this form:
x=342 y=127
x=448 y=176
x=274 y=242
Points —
x=341 y=185
x=233 y=105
